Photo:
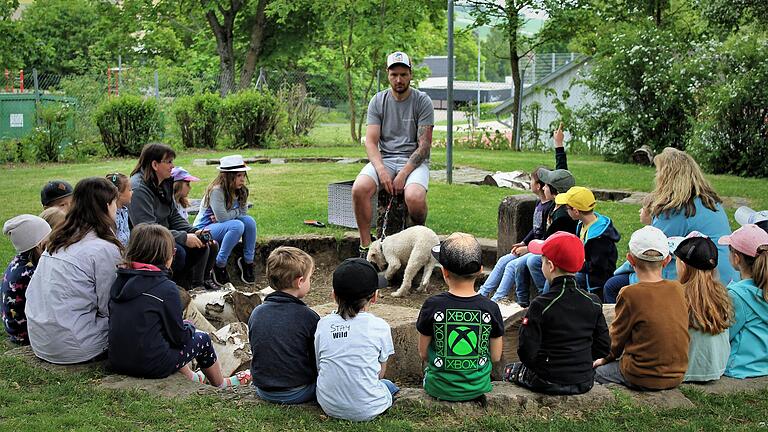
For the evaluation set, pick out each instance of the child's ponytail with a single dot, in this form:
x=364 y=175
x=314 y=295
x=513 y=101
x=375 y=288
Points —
x=760 y=270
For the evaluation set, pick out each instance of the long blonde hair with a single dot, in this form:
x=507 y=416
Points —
x=679 y=181
x=709 y=306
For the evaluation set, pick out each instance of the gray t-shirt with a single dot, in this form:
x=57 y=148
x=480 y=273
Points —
x=399 y=121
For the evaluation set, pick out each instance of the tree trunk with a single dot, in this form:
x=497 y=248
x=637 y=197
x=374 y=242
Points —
x=223 y=31
x=255 y=46
x=514 y=61
x=347 y=55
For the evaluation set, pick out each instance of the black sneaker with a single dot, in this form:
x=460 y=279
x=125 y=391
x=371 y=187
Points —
x=211 y=285
x=220 y=275
x=246 y=271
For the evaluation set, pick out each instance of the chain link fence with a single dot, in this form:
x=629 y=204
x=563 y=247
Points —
x=85 y=93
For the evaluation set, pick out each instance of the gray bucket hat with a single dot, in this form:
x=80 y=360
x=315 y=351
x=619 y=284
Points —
x=560 y=179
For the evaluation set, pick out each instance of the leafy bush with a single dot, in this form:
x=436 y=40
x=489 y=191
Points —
x=643 y=90
x=12 y=150
x=126 y=123
x=199 y=119
x=252 y=118
x=302 y=112
x=47 y=139
x=731 y=133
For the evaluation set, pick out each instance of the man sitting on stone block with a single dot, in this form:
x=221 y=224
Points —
x=564 y=330
x=460 y=331
x=398 y=140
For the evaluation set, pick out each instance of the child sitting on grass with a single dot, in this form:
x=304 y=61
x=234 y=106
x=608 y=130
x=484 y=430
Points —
x=459 y=331
x=710 y=310
x=147 y=337
x=27 y=233
x=352 y=347
x=649 y=335
x=749 y=333
x=564 y=329
x=282 y=331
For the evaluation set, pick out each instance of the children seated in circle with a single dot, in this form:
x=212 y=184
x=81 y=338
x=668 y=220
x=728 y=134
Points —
x=709 y=308
x=281 y=331
x=224 y=213
x=748 y=248
x=56 y=193
x=564 y=330
x=147 y=336
x=649 y=334
x=68 y=296
x=352 y=347
x=182 y=185
x=152 y=202
x=124 y=194
x=27 y=234
x=459 y=331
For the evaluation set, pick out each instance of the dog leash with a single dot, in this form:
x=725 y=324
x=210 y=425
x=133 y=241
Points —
x=385 y=222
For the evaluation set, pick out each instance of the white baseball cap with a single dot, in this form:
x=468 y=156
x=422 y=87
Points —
x=649 y=238
x=398 y=57
x=745 y=215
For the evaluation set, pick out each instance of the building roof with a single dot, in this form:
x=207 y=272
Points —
x=527 y=89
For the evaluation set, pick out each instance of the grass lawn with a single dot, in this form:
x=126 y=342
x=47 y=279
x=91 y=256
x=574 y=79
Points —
x=285 y=195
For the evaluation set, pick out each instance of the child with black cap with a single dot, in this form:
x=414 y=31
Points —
x=564 y=330
x=56 y=193
x=460 y=330
x=710 y=311
x=352 y=347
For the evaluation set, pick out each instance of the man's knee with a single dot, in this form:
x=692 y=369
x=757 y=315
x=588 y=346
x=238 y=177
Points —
x=415 y=197
x=363 y=188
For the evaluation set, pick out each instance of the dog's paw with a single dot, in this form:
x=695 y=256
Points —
x=399 y=293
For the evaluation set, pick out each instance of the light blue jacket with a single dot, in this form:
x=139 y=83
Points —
x=749 y=332
x=713 y=224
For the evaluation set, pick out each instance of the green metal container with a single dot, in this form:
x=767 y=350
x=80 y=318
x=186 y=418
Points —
x=17 y=112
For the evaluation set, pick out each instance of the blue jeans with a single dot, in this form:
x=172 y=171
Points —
x=507 y=271
x=613 y=286
x=298 y=395
x=393 y=388
x=228 y=233
x=537 y=276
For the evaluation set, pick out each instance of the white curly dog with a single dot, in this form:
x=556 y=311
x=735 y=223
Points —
x=411 y=247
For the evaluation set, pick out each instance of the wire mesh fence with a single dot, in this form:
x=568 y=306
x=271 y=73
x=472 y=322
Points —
x=86 y=93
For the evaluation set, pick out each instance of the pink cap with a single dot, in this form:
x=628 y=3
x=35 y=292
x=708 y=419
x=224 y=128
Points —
x=746 y=239
x=180 y=174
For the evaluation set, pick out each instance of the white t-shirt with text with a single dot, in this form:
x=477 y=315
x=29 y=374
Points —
x=349 y=355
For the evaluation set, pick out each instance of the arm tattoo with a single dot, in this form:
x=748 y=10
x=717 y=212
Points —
x=424 y=138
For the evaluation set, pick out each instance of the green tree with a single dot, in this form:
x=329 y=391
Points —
x=465 y=52
x=508 y=16
x=248 y=31
x=358 y=34
x=11 y=37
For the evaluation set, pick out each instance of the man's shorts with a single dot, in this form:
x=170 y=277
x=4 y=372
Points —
x=419 y=176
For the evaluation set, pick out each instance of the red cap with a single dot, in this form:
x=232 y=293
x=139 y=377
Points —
x=565 y=250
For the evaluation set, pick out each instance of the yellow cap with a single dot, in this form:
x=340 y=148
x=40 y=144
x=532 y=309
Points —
x=578 y=197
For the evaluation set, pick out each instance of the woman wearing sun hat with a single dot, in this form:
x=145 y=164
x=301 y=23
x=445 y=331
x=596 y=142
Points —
x=224 y=212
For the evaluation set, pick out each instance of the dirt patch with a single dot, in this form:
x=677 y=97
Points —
x=322 y=285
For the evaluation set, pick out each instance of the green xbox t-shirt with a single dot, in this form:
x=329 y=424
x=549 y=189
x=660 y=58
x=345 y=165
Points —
x=459 y=355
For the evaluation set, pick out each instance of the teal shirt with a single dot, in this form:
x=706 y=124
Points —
x=713 y=224
x=707 y=355
x=749 y=332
